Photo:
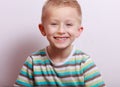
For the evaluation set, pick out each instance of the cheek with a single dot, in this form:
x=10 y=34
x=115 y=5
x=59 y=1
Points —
x=73 y=31
x=72 y=34
x=49 y=32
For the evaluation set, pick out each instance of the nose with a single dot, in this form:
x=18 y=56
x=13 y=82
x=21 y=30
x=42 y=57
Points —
x=61 y=29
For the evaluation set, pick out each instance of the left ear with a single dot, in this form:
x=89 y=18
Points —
x=80 y=30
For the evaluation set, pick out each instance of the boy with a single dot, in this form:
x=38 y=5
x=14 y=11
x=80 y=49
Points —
x=60 y=64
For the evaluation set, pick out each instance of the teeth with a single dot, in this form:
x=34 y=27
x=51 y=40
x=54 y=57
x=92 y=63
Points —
x=60 y=38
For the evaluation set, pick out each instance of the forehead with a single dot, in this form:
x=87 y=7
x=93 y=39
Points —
x=62 y=12
x=60 y=8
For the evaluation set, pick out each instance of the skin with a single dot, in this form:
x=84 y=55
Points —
x=61 y=27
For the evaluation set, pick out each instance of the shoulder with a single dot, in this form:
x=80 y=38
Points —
x=39 y=57
x=81 y=55
x=41 y=52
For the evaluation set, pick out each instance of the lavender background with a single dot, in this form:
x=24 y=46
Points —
x=19 y=36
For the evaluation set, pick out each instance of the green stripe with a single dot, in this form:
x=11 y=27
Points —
x=61 y=83
x=74 y=61
x=45 y=61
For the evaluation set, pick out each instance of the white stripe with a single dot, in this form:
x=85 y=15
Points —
x=25 y=68
x=94 y=81
x=64 y=69
x=55 y=78
x=25 y=79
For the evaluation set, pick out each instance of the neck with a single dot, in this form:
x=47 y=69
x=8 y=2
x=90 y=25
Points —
x=59 y=54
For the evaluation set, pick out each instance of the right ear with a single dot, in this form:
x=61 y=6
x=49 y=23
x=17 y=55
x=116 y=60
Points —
x=42 y=30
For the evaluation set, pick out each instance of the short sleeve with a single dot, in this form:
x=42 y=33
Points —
x=25 y=77
x=92 y=76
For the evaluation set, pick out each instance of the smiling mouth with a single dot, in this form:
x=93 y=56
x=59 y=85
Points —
x=61 y=38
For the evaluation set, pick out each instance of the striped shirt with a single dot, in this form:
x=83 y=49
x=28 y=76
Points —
x=78 y=70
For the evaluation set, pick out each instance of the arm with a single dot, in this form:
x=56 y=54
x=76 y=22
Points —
x=25 y=78
x=92 y=76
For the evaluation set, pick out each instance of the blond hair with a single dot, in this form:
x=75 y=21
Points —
x=61 y=3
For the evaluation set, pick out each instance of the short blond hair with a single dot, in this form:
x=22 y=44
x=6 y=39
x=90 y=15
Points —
x=61 y=3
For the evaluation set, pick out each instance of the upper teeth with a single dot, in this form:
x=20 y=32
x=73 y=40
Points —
x=60 y=38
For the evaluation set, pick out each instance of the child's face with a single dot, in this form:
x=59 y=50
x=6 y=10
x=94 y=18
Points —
x=61 y=26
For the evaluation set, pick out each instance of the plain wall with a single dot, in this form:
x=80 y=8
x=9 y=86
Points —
x=19 y=36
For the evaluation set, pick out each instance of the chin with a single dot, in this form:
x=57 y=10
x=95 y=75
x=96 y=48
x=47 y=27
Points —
x=63 y=46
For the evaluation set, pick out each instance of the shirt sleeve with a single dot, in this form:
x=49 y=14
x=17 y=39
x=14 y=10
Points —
x=92 y=76
x=25 y=77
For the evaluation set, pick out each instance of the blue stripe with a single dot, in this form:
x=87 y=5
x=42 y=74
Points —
x=39 y=53
x=58 y=74
x=26 y=74
x=23 y=83
x=88 y=66
x=73 y=62
x=28 y=64
x=98 y=84
x=92 y=76
x=43 y=62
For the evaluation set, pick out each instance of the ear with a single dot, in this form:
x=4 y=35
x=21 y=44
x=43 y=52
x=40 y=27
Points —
x=42 y=30
x=80 y=30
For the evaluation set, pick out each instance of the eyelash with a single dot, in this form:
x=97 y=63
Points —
x=53 y=23
x=66 y=24
x=69 y=24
